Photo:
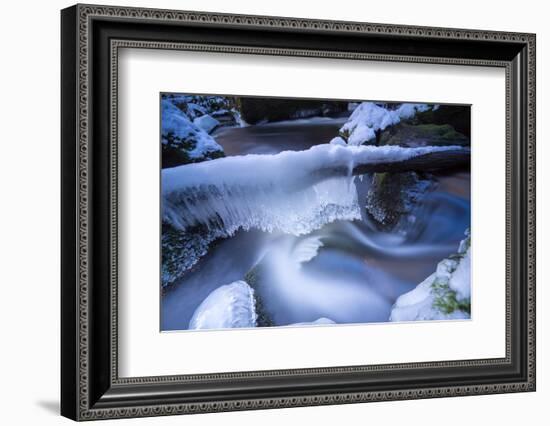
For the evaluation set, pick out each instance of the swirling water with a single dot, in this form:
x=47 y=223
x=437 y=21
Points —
x=358 y=272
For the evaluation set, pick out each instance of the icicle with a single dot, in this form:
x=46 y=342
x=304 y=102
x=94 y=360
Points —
x=281 y=192
x=228 y=208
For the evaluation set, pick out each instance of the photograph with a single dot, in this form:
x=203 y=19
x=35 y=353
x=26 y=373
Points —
x=266 y=208
x=293 y=212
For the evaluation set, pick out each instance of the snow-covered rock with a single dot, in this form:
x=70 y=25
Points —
x=369 y=118
x=460 y=279
x=443 y=295
x=206 y=123
x=229 y=306
x=183 y=141
x=221 y=108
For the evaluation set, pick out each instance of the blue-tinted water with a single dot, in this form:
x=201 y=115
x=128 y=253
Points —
x=358 y=272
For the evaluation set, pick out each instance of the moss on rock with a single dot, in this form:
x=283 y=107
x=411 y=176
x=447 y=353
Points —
x=181 y=251
x=414 y=135
x=458 y=116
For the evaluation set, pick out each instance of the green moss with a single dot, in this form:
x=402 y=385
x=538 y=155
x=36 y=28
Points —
x=457 y=116
x=445 y=298
x=445 y=131
x=379 y=179
x=407 y=134
x=447 y=302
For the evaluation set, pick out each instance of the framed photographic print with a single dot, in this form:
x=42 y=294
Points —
x=263 y=212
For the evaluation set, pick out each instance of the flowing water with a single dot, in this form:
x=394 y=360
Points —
x=358 y=271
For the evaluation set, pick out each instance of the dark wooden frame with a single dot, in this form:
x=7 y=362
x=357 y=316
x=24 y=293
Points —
x=91 y=37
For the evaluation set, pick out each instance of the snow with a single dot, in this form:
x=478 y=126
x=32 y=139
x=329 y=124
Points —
x=195 y=110
x=229 y=306
x=239 y=120
x=198 y=105
x=418 y=305
x=177 y=123
x=460 y=280
x=318 y=321
x=360 y=134
x=445 y=268
x=174 y=120
x=338 y=141
x=409 y=110
x=217 y=107
x=452 y=277
x=185 y=103
x=369 y=117
x=286 y=192
x=285 y=168
x=206 y=123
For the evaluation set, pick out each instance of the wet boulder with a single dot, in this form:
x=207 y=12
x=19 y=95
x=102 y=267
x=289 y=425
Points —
x=181 y=250
x=391 y=199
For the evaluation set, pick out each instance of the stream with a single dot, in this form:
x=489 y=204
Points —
x=358 y=272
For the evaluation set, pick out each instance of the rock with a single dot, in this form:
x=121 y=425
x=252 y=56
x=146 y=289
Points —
x=415 y=135
x=177 y=151
x=455 y=115
x=256 y=110
x=227 y=118
x=197 y=105
x=392 y=196
x=181 y=251
x=253 y=278
x=206 y=123
x=184 y=142
x=443 y=295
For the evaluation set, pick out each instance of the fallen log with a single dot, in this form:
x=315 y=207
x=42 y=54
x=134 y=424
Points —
x=430 y=162
x=294 y=192
x=296 y=170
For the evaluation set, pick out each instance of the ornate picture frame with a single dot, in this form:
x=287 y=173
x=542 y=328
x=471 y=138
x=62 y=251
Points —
x=91 y=38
